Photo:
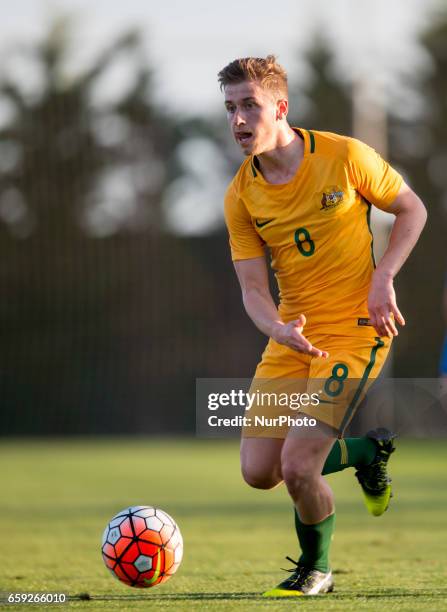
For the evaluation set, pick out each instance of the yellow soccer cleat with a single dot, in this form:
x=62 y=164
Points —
x=377 y=503
x=373 y=478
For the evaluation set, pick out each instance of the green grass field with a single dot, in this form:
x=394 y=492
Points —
x=57 y=496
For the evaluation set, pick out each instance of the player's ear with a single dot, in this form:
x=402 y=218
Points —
x=282 y=107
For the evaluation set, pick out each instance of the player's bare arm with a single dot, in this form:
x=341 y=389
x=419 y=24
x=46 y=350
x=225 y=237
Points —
x=411 y=216
x=260 y=307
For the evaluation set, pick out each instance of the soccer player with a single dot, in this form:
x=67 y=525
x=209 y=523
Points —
x=307 y=195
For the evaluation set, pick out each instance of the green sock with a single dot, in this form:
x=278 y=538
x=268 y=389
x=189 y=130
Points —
x=315 y=541
x=349 y=452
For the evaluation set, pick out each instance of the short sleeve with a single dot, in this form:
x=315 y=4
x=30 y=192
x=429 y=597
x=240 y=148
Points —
x=245 y=243
x=371 y=175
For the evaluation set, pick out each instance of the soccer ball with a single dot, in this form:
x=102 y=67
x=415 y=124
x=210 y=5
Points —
x=142 y=546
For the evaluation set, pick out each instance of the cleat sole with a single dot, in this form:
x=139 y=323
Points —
x=282 y=593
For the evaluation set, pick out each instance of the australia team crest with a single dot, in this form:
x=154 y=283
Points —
x=332 y=197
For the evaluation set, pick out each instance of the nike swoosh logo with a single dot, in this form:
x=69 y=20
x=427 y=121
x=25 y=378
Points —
x=263 y=223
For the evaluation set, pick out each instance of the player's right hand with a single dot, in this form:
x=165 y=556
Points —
x=290 y=334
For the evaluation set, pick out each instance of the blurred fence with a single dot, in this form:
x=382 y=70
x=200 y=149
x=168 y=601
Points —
x=109 y=335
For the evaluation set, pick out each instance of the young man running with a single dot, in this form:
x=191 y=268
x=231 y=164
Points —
x=307 y=196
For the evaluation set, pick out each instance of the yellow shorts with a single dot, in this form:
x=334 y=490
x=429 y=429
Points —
x=327 y=390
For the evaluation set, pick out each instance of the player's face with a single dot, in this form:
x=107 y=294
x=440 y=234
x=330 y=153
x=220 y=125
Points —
x=252 y=114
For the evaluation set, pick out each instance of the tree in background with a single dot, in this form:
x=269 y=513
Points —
x=81 y=317
x=320 y=101
x=418 y=146
x=71 y=162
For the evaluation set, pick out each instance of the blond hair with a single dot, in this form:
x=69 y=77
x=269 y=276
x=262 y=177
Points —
x=265 y=71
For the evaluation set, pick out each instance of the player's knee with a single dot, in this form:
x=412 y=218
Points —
x=258 y=479
x=299 y=477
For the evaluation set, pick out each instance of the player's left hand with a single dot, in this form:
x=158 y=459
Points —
x=382 y=306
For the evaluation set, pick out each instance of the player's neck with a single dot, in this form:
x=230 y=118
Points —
x=280 y=164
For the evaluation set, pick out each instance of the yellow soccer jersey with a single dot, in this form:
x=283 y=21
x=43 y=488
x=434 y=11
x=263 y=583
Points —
x=317 y=229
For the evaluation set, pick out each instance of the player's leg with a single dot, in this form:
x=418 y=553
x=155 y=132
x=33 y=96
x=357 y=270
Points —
x=344 y=379
x=340 y=382
x=261 y=462
x=261 y=446
x=369 y=455
x=283 y=371
x=302 y=462
x=349 y=452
